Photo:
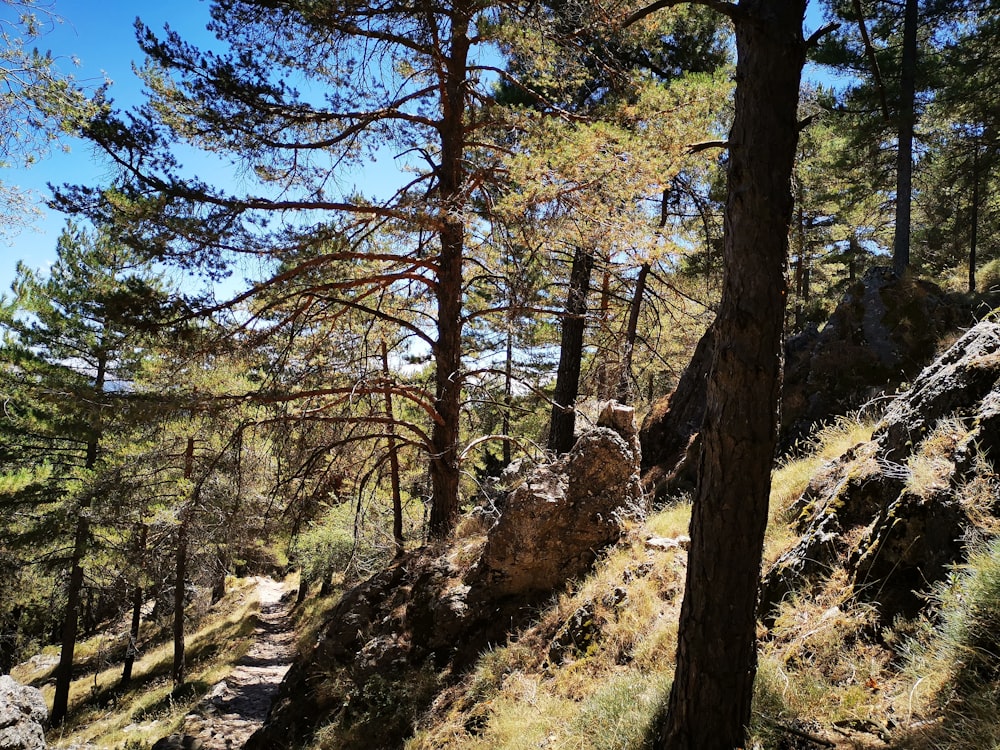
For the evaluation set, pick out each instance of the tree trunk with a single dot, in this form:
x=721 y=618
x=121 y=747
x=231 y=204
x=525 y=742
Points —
x=137 y=599
x=81 y=540
x=574 y=322
x=624 y=390
x=603 y=367
x=219 y=575
x=180 y=574
x=904 y=157
x=508 y=394
x=445 y=469
x=974 y=218
x=709 y=707
x=397 y=495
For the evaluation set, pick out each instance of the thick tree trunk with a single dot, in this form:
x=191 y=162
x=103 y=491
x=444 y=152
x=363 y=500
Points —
x=574 y=322
x=624 y=390
x=904 y=156
x=709 y=706
x=445 y=469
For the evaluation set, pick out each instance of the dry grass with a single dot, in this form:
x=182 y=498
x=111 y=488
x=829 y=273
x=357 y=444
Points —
x=602 y=697
x=108 y=716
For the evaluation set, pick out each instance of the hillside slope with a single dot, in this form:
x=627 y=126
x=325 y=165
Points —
x=859 y=641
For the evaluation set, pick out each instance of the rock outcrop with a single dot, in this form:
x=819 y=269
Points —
x=882 y=332
x=897 y=511
x=22 y=715
x=392 y=641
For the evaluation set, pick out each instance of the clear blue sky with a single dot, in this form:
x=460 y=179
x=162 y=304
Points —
x=100 y=34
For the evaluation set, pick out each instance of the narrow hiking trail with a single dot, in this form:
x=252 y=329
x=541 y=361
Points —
x=237 y=706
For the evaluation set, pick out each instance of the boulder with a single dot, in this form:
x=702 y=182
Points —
x=178 y=742
x=22 y=715
x=556 y=521
x=880 y=335
x=391 y=640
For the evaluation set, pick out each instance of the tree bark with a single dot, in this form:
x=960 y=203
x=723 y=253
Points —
x=397 y=494
x=508 y=394
x=445 y=468
x=904 y=156
x=137 y=599
x=74 y=590
x=180 y=574
x=624 y=390
x=974 y=217
x=574 y=322
x=709 y=706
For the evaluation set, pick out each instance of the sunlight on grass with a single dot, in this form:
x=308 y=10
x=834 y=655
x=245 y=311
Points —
x=106 y=715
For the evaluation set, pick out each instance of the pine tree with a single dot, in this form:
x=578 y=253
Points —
x=74 y=341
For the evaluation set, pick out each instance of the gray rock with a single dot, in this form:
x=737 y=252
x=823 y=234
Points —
x=178 y=742
x=554 y=523
x=22 y=715
x=862 y=512
x=436 y=609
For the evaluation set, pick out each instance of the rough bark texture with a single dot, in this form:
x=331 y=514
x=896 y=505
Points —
x=709 y=706
x=445 y=469
x=563 y=421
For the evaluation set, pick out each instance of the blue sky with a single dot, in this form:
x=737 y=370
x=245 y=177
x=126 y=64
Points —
x=100 y=35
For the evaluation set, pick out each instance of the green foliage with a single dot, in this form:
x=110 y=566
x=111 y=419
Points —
x=39 y=104
x=325 y=547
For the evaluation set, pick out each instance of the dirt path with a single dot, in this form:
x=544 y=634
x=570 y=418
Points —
x=236 y=707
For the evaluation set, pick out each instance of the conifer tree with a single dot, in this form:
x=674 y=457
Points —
x=73 y=342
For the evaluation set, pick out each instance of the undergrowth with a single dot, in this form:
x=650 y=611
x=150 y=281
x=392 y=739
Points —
x=106 y=715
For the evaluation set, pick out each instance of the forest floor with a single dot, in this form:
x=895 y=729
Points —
x=238 y=705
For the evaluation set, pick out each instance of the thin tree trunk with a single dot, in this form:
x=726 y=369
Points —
x=974 y=218
x=904 y=157
x=574 y=322
x=624 y=390
x=603 y=369
x=74 y=591
x=709 y=707
x=219 y=576
x=508 y=394
x=180 y=573
x=137 y=599
x=445 y=468
x=397 y=495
